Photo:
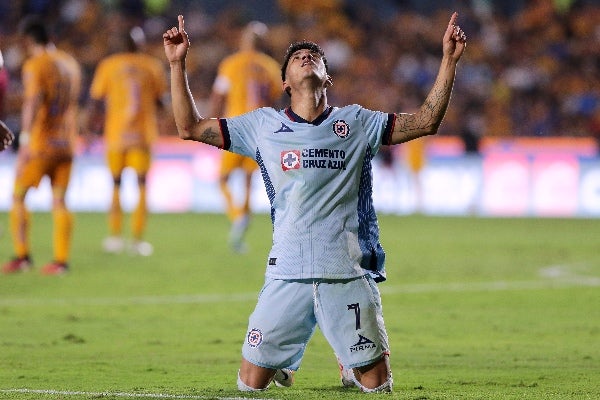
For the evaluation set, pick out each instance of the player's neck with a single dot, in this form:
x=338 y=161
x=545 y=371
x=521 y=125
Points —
x=309 y=105
x=37 y=49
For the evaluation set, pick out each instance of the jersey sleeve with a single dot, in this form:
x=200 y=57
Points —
x=240 y=133
x=378 y=127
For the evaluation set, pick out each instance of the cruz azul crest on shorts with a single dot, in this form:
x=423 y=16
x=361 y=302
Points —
x=255 y=337
x=290 y=159
x=341 y=128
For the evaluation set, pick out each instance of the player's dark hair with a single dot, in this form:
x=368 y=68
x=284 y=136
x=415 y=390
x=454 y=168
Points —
x=303 y=45
x=33 y=27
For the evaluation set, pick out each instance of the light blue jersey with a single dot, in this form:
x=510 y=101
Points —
x=319 y=183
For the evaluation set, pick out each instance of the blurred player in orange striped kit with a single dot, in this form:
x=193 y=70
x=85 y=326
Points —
x=246 y=80
x=128 y=90
x=52 y=82
x=416 y=159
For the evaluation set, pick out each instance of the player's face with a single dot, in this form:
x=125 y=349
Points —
x=305 y=63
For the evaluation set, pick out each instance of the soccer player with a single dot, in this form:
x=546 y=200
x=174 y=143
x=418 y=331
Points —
x=128 y=90
x=326 y=258
x=416 y=158
x=246 y=80
x=52 y=82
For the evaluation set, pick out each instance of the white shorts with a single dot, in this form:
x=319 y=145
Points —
x=348 y=312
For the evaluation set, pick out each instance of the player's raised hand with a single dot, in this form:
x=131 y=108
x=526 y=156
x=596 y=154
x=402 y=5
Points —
x=176 y=42
x=455 y=40
x=6 y=136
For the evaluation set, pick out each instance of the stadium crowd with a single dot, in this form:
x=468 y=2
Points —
x=532 y=67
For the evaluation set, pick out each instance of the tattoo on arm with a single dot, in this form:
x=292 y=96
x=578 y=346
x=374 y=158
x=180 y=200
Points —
x=428 y=118
x=209 y=135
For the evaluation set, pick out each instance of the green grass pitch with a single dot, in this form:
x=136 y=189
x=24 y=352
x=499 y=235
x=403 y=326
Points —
x=475 y=309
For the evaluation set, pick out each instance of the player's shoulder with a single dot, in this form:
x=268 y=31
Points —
x=271 y=111
x=359 y=109
x=350 y=109
x=38 y=59
x=265 y=112
x=271 y=64
x=38 y=65
x=65 y=55
x=149 y=59
x=109 y=61
x=266 y=58
x=67 y=58
x=232 y=59
x=260 y=114
x=31 y=63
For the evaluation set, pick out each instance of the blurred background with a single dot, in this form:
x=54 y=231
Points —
x=520 y=138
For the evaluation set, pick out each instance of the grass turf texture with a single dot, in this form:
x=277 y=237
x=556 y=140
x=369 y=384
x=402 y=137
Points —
x=475 y=309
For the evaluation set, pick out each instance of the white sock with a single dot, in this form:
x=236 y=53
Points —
x=242 y=387
x=386 y=387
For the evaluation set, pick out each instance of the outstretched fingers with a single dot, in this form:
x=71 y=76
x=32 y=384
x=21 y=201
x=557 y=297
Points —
x=450 y=27
x=453 y=18
x=176 y=35
x=181 y=23
x=454 y=31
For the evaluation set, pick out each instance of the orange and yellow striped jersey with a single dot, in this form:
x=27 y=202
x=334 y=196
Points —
x=416 y=154
x=131 y=84
x=250 y=79
x=54 y=77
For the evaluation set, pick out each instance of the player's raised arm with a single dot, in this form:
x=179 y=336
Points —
x=190 y=124
x=427 y=120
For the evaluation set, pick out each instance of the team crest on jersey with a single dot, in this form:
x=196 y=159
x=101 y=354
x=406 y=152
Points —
x=341 y=128
x=362 y=344
x=290 y=159
x=255 y=338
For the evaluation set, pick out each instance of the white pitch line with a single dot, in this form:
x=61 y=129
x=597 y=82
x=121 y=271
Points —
x=119 y=394
x=487 y=286
x=140 y=300
x=553 y=277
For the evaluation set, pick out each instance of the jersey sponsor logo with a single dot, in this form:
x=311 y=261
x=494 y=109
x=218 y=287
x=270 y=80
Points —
x=284 y=128
x=313 y=158
x=341 y=128
x=362 y=344
x=324 y=158
x=255 y=338
x=290 y=159
x=273 y=261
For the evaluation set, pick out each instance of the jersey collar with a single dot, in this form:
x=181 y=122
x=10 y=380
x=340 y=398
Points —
x=317 y=121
